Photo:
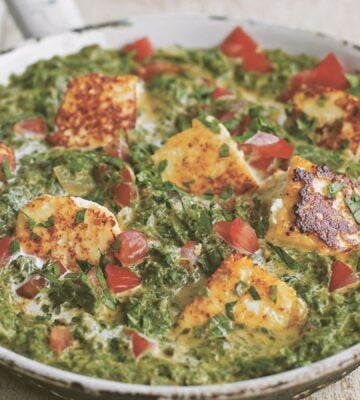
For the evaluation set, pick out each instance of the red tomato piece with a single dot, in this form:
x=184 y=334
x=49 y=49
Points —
x=6 y=154
x=60 y=338
x=31 y=288
x=222 y=229
x=262 y=163
x=329 y=72
x=33 y=125
x=5 y=248
x=127 y=174
x=243 y=236
x=119 y=148
x=120 y=279
x=254 y=61
x=139 y=344
x=124 y=193
x=157 y=68
x=267 y=145
x=188 y=251
x=219 y=93
x=226 y=116
x=237 y=42
x=238 y=234
x=341 y=275
x=142 y=48
x=133 y=247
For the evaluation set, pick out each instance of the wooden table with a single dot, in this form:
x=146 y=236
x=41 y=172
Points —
x=335 y=17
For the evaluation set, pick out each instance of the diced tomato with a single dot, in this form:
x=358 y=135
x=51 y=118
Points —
x=139 y=344
x=33 y=125
x=262 y=163
x=266 y=145
x=118 y=148
x=341 y=275
x=120 y=279
x=142 y=48
x=329 y=72
x=226 y=116
x=127 y=174
x=60 y=338
x=31 y=288
x=237 y=42
x=124 y=194
x=188 y=251
x=253 y=61
x=157 y=68
x=133 y=247
x=240 y=44
x=238 y=234
x=219 y=93
x=5 y=248
x=6 y=154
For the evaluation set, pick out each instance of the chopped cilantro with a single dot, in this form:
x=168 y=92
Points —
x=80 y=216
x=333 y=188
x=48 y=223
x=239 y=288
x=6 y=170
x=354 y=205
x=254 y=293
x=14 y=246
x=273 y=293
x=227 y=193
x=106 y=298
x=224 y=150
x=162 y=166
x=84 y=265
x=213 y=124
x=204 y=222
x=229 y=307
x=116 y=245
x=187 y=184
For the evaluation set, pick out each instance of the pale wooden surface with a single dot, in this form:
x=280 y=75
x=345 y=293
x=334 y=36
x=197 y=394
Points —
x=335 y=17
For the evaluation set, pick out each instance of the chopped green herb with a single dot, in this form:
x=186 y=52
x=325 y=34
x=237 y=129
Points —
x=219 y=326
x=162 y=166
x=106 y=299
x=273 y=293
x=187 y=184
x=224 y=150
x=227 y=193
x=84 y=265
x=208 y=195
x=30 y=221
x=213 y=124
x=321 y=100
x=285 y=257
x=229 y=307
x=6 y=170
x=80 y=216
x=333 y=188
x=254 y=293
x=14 y=246
x=115 y=162
x=48 y=223
x=116 y=245
x=204 y=222
x=240 y=287
x=354 y=206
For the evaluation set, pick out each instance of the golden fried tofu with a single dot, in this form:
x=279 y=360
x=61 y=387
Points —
x=66 y=229
x=257 y=298
x=336 y=114
x=95 y=107
x=200 y=160
x=312 y=213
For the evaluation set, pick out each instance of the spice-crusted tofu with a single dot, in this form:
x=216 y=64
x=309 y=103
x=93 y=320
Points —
x=200 y=160
x=255 y=297
x=313 y=212
x=336 y=115
x=66 y=229
x=95 y=107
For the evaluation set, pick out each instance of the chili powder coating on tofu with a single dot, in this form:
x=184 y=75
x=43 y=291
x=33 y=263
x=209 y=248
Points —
x=180 y=216
x=95 y=107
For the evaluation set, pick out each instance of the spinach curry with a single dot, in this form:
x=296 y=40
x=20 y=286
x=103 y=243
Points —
x=169 y=300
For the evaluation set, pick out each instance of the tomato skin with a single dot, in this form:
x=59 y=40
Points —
x=34 y=125
x=237 y=42
x=139 y=343
x=329 y=72
x=31 y=288
x=266 y=145
x=142 y=47
x=240 y=44
x=120 y=279
x=127 y=174
x=219 y=93
x=123 y=194
x=6 y=153
x=188 y=251
x=157 y=68
x=238 y=234
x=253 y=61
x=60 y=338
x=133 y=247
x=341 y=276
x=5 y=248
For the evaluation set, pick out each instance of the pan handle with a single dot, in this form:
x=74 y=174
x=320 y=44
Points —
x=39 y=18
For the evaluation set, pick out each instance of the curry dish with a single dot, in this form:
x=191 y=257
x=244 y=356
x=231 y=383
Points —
x=180 y=216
